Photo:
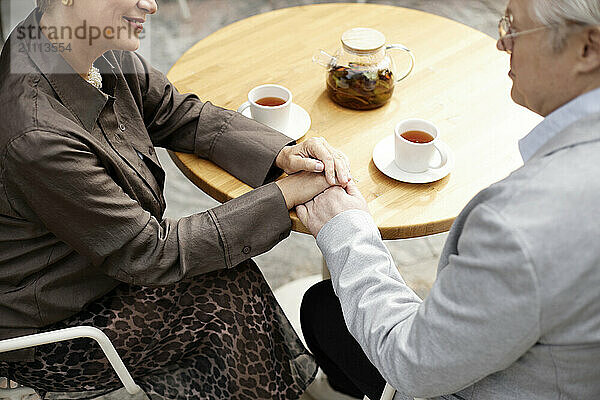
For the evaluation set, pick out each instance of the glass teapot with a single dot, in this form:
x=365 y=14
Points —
x=361 y=75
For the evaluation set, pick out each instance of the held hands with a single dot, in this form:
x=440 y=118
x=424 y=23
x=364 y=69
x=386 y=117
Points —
x=301 y=187
x=322 y=166
x=315 y=155
x=333 y=201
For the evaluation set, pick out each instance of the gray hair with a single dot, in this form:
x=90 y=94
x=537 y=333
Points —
x=565 y=15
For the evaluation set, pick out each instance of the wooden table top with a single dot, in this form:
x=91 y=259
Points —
x=460 y=83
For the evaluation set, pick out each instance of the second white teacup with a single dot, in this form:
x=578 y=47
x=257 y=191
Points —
x=269 y=104
x=416 y=142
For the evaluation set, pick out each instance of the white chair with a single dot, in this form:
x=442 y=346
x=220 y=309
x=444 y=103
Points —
x=388 y=393
x=59 y=336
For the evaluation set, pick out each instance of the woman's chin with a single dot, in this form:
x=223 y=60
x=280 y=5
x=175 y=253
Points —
x=132 y=44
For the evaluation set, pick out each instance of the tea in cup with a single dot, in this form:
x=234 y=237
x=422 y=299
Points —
x=416 y=143
x=269 y=104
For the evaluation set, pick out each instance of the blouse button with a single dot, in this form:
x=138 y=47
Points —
x=246 y=250
x=122 y=127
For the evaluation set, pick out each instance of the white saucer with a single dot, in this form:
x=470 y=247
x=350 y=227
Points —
x=299 y=121
x=383 y=157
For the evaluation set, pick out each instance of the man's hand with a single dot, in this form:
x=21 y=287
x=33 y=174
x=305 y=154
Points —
x=333 y=201
x=301 y=187
x=315 y=155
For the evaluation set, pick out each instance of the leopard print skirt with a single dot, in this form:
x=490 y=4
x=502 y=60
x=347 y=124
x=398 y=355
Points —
x=217 y=336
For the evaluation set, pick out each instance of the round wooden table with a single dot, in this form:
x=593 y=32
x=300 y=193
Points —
x=459 y=82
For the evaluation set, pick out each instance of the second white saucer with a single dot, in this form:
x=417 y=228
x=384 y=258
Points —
x=383 y=158
x=299 y=121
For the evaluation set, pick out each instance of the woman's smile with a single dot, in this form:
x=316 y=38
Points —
x=137 y=23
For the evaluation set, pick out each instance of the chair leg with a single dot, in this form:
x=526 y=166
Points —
x=388 y=393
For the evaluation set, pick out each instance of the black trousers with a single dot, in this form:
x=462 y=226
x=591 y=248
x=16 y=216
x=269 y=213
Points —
x=340 y=356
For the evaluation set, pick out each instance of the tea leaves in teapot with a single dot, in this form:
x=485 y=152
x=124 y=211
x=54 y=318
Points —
x=359 y=88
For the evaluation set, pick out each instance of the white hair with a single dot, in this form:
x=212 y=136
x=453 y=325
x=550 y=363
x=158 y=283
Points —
x=565 y=15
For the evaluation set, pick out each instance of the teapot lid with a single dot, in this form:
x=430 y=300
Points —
x=362 y=40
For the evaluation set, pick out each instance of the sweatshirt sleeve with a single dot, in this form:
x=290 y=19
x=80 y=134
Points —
x=481 y=315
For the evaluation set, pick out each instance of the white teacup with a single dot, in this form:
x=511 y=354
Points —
x=277 y=116
x=414 y=156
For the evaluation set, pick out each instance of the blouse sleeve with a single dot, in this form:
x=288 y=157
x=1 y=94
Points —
x=182 y=122
x=55 y=180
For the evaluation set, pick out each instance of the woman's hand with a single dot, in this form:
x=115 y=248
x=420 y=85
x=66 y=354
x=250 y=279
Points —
x=315 y=155
x=301 y=187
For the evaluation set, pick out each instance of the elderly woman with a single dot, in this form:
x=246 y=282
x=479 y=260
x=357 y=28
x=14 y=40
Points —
x=83 y=240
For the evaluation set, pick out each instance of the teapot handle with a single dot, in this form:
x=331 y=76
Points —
x=323 y=58
x=412 y=58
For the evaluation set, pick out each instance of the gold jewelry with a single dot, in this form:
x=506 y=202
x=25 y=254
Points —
x=67 y=2
x=94 y=78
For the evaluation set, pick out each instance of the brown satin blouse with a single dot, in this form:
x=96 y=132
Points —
x=81 y=187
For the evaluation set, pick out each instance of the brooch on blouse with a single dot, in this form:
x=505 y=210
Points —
x=94 y=78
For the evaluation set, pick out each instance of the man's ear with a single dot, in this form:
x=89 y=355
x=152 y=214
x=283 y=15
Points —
x=589 y=57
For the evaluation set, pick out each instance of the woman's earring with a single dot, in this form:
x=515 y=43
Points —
x=67 y=2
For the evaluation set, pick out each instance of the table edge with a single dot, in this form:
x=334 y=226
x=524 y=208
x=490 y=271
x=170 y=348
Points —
x=387 y=233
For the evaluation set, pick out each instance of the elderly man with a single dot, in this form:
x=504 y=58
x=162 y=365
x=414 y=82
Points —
x=515 y=310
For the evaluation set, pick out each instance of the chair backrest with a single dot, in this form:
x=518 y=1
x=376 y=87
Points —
x=60 y=335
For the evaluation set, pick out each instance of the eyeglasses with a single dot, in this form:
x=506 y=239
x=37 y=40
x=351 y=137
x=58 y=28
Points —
x=507 y=33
